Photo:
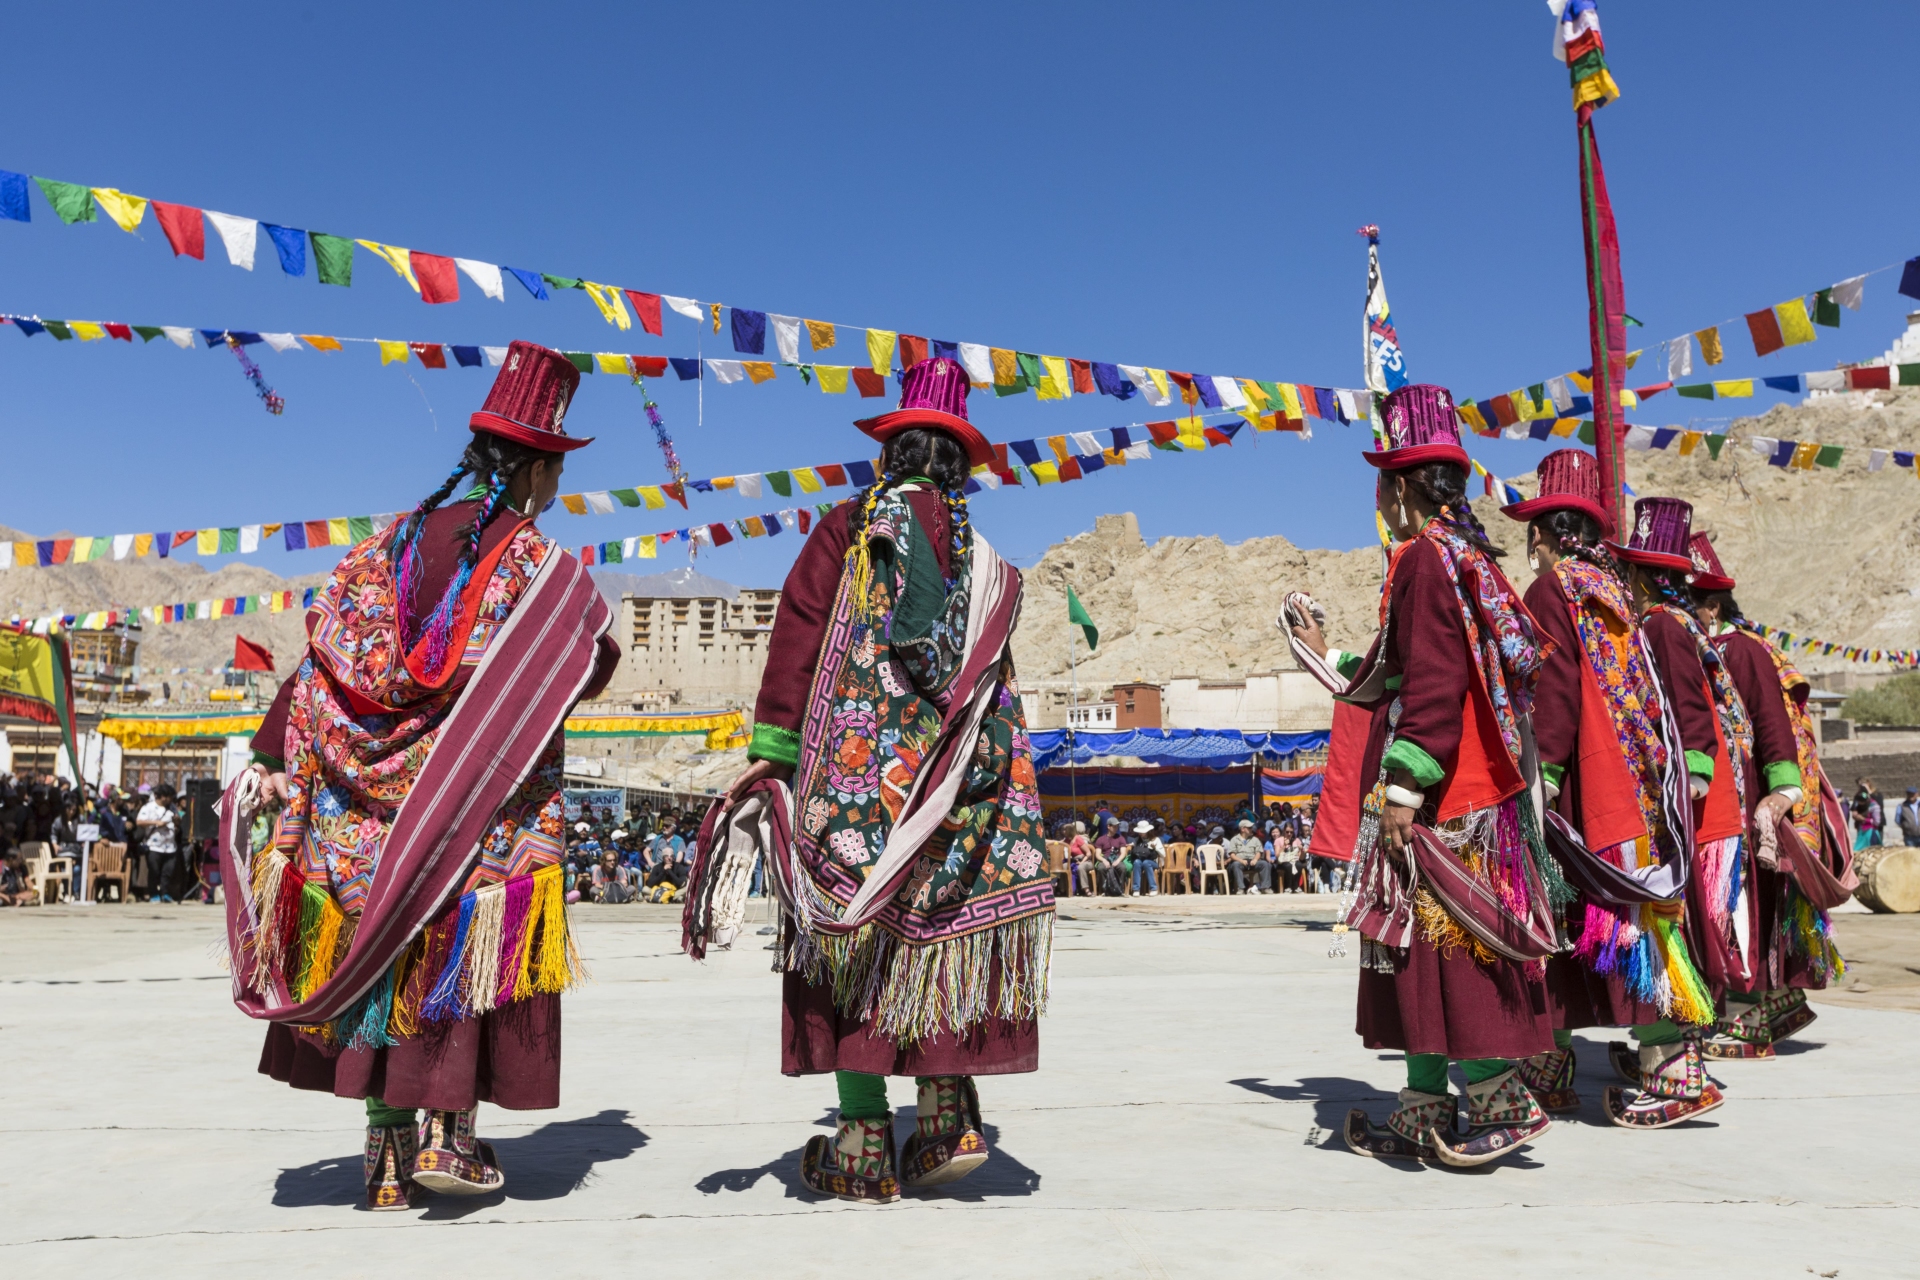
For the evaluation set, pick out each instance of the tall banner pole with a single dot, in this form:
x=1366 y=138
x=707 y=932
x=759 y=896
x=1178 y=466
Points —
x=1577 y=42
x=1383 y=363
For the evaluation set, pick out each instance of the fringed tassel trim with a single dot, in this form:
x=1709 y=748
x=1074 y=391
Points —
x=1445 y=933
x=1808 y=933
x=507 y=942
x=1689 y=1000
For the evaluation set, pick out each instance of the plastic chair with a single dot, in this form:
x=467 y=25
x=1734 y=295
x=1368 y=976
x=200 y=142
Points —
x=108 y=865
x=1211 y=866
x=1057 y=867
x=1176 y=868
x=45 y=870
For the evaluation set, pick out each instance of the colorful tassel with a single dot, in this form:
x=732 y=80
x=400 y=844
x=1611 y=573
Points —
x=443 y=1002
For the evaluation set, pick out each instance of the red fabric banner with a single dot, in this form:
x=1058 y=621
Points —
x=430 y=354
x=186 y=229
x=439 y=279
x=870 y=383
x=1764 y=325
x=647 y=307
x=912 y=350
x=1606 y=313
x=248 y=656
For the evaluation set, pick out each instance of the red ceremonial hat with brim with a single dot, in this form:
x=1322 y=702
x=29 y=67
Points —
x=934 y=394
x=1708 y=575
x=1662 y=528
x=529 y=399
x=1569 y=481
x=1420 y=427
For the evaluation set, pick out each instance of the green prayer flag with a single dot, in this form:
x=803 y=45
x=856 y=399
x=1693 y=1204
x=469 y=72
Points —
x=1631 y=322
x=1586 y=432
x=782 y=482
x=560 y=282
x=612 y=553
x=99 y=549
x=1078 y=616
x=1713 y=445
x=333 y=257
x=581 y=360
x=1695 y=391
x=359 y=528
x=229 y=540
x=149 y=332
x=1010 y=389
x=71 y=202
x=1829 y=455
x=1031 y=370
x=626 y=497
x=1825 y=310
x=1909 y=374
x=58 y=328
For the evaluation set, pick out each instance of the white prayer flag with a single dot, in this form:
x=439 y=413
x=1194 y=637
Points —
x=484 y=274
x=786 y=335
x=977 y=360
x=382 y=523
x=987 y=478
x=122 y=544
x=599 y=503
x=281 y=341
x=1763 y=445
x=249 y=538
x=1680 y=357
x=749 y=486
x=1878 y=459
x=182 y=338
x=1849 y=293
x=1352 y=403
x=1137 y=375
x=1827 y=380
x=789 y=518
x=496 y=356
x=1639 y=437
x=1139 y=452
x=685 y=306
x=727 y=370
x=1229 y=392
x=630 y=548
x=238 y=234
x=1085 y=445
x=1562 y=398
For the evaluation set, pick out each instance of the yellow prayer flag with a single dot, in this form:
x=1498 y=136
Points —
x=1710 y=349
x=612 y=308
x=1633 y=358
x=821 y=334
x=651 y=495
x=320 y=341
x=574 y=502
x=1804 y=454
x=1257 y=420
x=268 y=530
x=82 y=549
x=1256 y=394
x=1581 y=381
x=1564 y=427
x=1159 y=377
x=339 y=533
x=1689 y=441
x=715 y=309
x=207 y=542
x=1628 y=400
x=142 y=545
x=1059 y=446
x=277 y=602
x=1045 y=472
x=1290 y=401
x=880 y=349
x=755 y=527
x=648 y=545
x=86 y=330
x=1115 y=457
x=809 y=481
x=722 y=482
x=1736 y=388
x=1192 y=434
x=390 y=352
x=1795 y=326
x=609 y=362
x=125 y=210
x=833 y=378
x=25 y=553
x=1006 y=367
x=758 y=370
x=1059 y=383
x=395 y=257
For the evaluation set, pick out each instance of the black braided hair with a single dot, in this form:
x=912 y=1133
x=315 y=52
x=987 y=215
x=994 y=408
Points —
x=1577 y=534
x=1730 y=613
x=1667 y=586
x=1445 y=485
x=922 y=451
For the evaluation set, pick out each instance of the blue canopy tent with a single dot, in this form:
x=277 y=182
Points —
x=1188 y=748
x=1191 y=775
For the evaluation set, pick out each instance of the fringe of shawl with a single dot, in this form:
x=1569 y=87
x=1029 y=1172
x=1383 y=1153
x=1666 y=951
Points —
x=1808 y=932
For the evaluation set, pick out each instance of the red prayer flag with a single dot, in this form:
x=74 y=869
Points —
x=120 y=331
x=185 y=536
x=586 y=556
x=1163 y=432
x=1070 y=469
x=647 y=307
x=1082 y=376
x=649 y=366
x=676 y=491
x=1644 y=393
x=721 y=537
x=871 y=384
x=912 y=350
x=319 y=533
x=806 y=520
x=1188 y=393
x=439 y=279
x=1216 y=437
x=1503 y=411
x=1764 y=325
x=832 y=474
x=248 y=656
x=430 y=354
x=1290 y=424
x=62 y=550
x=186 y=229
x=1877 y=378
x=1000 y=457
x=1009 y=476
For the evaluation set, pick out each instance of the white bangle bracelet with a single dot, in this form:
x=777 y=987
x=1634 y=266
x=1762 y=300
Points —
x=1404 y=798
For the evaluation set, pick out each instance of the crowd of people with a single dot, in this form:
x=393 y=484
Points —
x=1265 y=853
x=166 y=861
x=642 y=857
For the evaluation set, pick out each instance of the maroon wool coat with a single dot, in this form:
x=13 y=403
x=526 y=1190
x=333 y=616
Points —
x=510 y=1057
x=814 y=1035
x=1439 y=1003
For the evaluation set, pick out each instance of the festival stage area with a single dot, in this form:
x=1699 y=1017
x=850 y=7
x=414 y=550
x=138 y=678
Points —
x=1196 y=1067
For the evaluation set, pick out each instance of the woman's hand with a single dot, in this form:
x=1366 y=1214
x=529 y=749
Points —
x=1771 y=809
x=271 y=784
x=1396 y=829
x=1308 y=633
x=755 y=772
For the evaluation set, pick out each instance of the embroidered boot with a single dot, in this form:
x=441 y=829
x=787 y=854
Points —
x=946 y=1144
x=389 y=1167
x=1626 y=1061
x=1407 y=1132
x=1787 y=1012
x=1550 y=1077
x=451 y=1160
x=1744 y=1032
x=1673 y=1087
x=1501 y=1115
x=856 y=1164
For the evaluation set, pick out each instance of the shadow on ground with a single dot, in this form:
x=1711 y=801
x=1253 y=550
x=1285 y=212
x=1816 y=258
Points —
x=1003 y=1176
x=546 y=1164
x=1333 y=1096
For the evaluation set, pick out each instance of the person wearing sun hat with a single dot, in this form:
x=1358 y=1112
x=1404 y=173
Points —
x=918 y=912
x=1613 y=763
x=1448 y=682
x=402 y=817
x=1795 y=946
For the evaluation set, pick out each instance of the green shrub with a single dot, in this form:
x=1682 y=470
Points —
x=1895 y=702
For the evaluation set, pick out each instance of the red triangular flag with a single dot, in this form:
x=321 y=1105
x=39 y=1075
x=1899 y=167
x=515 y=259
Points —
x=439 y=278
x=720 y=535
x=431 y=354
x=120 y=331
x=676 y=491
x=248 y=656
x=186 y=229
x=647 y=307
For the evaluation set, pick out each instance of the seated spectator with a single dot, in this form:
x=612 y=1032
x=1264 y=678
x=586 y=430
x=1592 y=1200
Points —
x=664 y=842
x=1145 y=856
x=670 y=868
x=14 y=889
x=1216 y=846
x=1246 y=861
x=611 y=881
x=1110 y=868
x=1079 y=860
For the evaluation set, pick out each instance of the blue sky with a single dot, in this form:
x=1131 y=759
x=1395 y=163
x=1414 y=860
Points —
x=1176 y=187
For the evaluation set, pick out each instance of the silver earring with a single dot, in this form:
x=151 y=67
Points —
x=528 y=510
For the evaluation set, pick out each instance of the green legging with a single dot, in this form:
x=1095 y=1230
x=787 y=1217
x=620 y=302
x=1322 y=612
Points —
x=1427 y=1072
x=380 y=1115
x=864 y=1097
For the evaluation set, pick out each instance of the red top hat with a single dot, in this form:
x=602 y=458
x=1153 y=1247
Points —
x=1569 y=481
x=1420 y=427
x=933 y=394
x=1661 y=530
x=1707 y=572
x=529 y=399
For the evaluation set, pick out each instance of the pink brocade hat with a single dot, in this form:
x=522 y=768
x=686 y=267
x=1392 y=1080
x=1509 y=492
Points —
x=1421 y=427
x=1662 y=528
x=528 y=400
x=933 y=394
x=1569 y=481
x=1708 y=575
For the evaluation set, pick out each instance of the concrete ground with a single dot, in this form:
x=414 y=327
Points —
x=1197 y=1062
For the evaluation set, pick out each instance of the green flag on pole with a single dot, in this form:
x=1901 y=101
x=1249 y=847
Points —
x=1077 y=615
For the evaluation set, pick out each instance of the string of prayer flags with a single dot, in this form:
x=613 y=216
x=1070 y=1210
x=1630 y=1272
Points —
x=1827 y=648
x=186 y=611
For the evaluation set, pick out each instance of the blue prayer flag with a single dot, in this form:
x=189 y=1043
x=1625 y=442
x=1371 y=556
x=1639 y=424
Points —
x=45 y=550
x=861 y=473
x=1664 y=436
x=1027 y=450
x=295 y=534
x=1324 y=404
x=292 y=244
x=242 y=337
x=163 y=541
x=1789 y=382
x=701 y=486
x=469 y=357
x=1782 y=453
x=971 y=487
x=1902 y=458
x=29 y=327
x=1122 y=438
x=943 y=350
x=749 y=332
x=1581 y=405
x=689 y=370
x=1910 y=278
x=306 y=599
x=1107 y=378
x=1541 y=429
x=1091 y=464
x=772 y=522
x=1209 y=396
x=215 y=337
x=13 y=196
x=535 y=285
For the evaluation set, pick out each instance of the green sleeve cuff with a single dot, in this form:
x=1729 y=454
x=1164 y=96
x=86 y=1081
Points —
x=1555 y=774
x=1784 y=773
x=1405 y=754
x=1700 y=764
x=1349 y=664
x=273 y=763
x=771 y=742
